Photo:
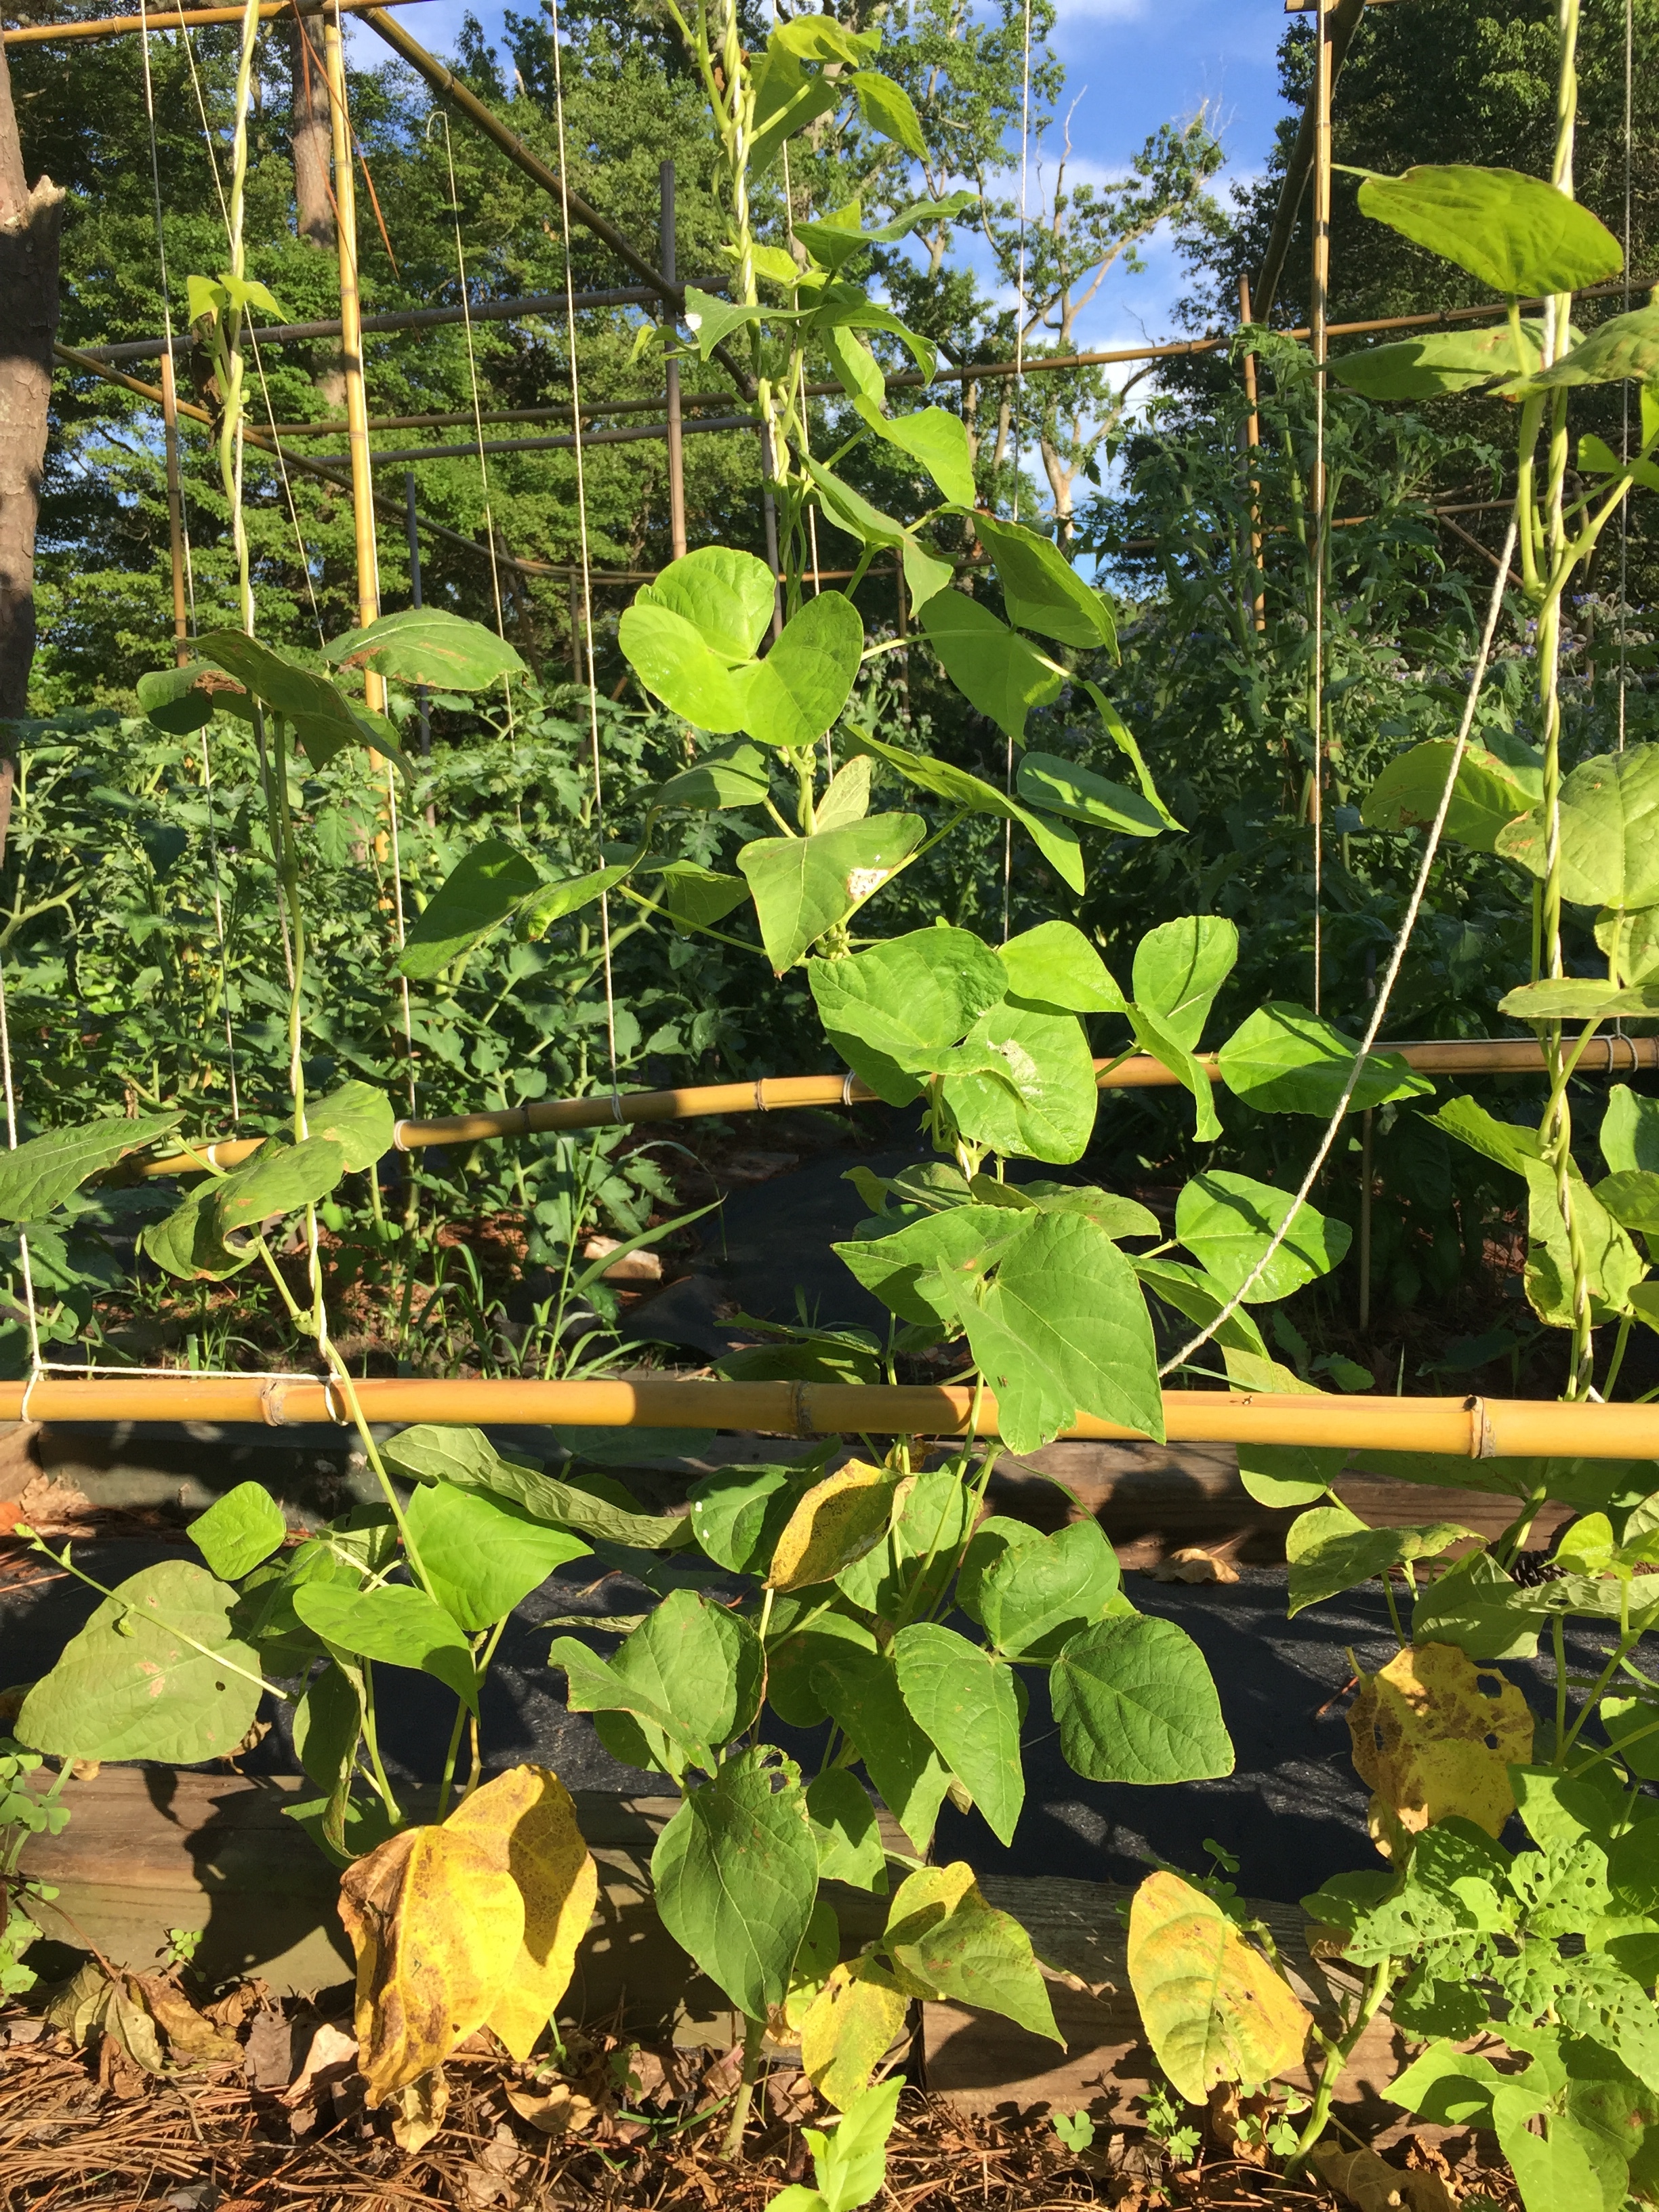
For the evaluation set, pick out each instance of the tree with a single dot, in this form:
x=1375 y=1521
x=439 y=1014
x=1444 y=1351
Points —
x=31 y=218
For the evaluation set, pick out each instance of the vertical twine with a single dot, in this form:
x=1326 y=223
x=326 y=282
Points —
x=587 y=569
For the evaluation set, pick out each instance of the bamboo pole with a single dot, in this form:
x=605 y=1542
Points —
x=777 y=1094
x=113 y=27
x=1340 y=22
x=1465 y=1428
x=351 y=348
x=635 y=435
x=175 y=512
x=665 y=254
x=1252 y=444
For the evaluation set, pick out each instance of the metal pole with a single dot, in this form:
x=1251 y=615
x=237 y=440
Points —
x=1252 y=443
x=175 y=512
x=351 y=348
x=676 y=447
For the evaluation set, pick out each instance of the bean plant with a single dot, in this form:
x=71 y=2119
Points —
x=870 y=1603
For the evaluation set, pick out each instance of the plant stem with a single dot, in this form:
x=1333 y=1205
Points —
x=753 y=2032
x=1337 y=2057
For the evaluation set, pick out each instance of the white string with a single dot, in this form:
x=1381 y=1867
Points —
x=190 y=574
x=478 y=411
x=1019 y=393
x=581 y=525
x=1379 y=1011
x=1624 y=390
x=22 y=1240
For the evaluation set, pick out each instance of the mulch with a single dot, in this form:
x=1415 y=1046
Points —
x=634 y=2131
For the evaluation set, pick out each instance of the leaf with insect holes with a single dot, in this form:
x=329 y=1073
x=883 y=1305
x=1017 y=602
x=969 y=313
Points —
x=481 y=890
x=1214 y=2010
x=736 y=1875
x=40 y=1175
x=1433 y=1742
x=803 y=886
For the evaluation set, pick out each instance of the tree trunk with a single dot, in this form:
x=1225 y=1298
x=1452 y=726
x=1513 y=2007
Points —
x=311 y=136
x=30 y=222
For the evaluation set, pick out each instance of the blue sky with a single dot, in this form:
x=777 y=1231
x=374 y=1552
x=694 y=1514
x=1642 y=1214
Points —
x=1131 y=65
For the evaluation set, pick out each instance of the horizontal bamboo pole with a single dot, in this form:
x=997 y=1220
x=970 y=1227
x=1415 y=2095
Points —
x=634 y=434
x=174 y=19
x=1467 y=1428
x=777 y=1094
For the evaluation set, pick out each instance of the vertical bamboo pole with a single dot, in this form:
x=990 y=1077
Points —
x=672 y=369
x=175 y=509
x=351 y=348
x=1319 y=317
x=1252 y=444
x=1366 y=1138
x=903 y=629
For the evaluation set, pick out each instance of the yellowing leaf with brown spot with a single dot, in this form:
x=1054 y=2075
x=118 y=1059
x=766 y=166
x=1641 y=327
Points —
x=1432 y=1742
x=524 y=1823
x=849 y=2029
x=436 y=1926
x=1213 y=2009
x=837 y=1521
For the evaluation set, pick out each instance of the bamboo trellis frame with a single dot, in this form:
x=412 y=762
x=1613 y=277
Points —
x=1465 y=1428
x=777 y=1094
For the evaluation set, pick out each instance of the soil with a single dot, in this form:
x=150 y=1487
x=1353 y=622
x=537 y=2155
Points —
x=88 y=2130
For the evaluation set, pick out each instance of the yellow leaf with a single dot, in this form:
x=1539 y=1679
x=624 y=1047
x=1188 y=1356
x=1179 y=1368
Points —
x=435 y=1927
x=1432 y=1742
x=524 y=1823
x=849 y=2029
x=838 y=1520
x=1213 y=2009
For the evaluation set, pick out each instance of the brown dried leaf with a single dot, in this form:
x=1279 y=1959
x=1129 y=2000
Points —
x=418 y=2110
x=1194 y=1564
x=437 y=1927
x=523 y=1823
x=1369 y=2181
x=189 y=2035
x=1433 y=1742
x=330 y=2052
x=556 y=2111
